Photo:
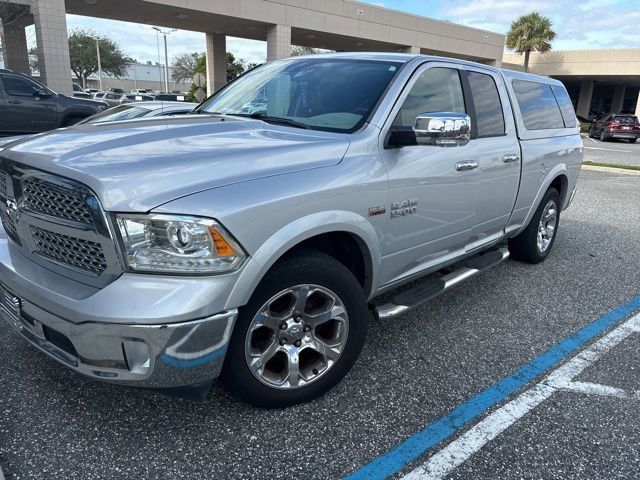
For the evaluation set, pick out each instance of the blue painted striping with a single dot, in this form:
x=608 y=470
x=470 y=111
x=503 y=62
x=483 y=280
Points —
x=415 y=446
x=178 y=363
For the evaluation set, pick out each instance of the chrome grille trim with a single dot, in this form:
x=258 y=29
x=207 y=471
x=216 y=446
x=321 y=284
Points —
x=75 y=240
x=57 y=201
x=82 y=254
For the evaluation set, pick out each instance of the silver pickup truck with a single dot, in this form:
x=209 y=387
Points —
x=251 y=239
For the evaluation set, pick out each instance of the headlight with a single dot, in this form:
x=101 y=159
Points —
x=177 y=244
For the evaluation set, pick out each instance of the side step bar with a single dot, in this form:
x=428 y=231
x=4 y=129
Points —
x=426 y=290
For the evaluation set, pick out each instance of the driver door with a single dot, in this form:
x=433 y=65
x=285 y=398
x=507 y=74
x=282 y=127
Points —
x=433 y=181
x=27 y=112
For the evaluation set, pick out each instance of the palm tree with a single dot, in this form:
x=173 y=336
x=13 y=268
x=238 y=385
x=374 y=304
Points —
x=530 y=32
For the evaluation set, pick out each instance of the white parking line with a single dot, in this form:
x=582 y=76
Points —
x=608 y=149
x=594 y=141
x=444 y=461
x=597 y=389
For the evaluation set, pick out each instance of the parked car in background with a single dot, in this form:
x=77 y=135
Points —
x=140 y=91
x=92 y=91
x=116 y=90
x=135 y=97
x=28 y=106
x=615 y=126
x=171 y=97
x=79 y=92
x=130 y=111
x=110 y=98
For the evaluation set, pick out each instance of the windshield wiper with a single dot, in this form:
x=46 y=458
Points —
x=277 y=120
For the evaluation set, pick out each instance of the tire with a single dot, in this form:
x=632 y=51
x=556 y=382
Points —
x=526 y=246
x=633 y=140
x=591 y=135
x=272 y=386
x=603 y=138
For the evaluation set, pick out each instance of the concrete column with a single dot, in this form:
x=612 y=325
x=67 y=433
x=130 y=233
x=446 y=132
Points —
x=216 y=62
x=618 y=98
x=414 y=50
x=278 y=42
x=15 y=54
x=638 y=106
x=584 y=100
x=53 y=44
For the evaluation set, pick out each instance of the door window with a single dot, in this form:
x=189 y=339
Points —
x=487 y=104
x=537 y=105
x=19 y=86
x=436 y=90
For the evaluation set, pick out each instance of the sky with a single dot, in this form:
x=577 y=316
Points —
x=578 y=25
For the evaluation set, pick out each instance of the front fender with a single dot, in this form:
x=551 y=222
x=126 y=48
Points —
x=293 y=234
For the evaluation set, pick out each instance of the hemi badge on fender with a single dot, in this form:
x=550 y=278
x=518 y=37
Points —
x=379 y=210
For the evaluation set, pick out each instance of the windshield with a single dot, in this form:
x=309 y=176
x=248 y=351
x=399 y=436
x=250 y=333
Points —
x=626 y=119
x=121 y=112
x=324 y=94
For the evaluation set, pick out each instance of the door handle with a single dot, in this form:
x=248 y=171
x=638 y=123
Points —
x=510 y=158
x=466 y=165
x=15 y=102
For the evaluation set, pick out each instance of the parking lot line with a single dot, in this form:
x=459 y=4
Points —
x=457 y=452
x=461 y=416
x=608 y=149
x=594 y=141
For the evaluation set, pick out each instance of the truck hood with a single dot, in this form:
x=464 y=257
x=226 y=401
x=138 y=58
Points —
x=139 y=165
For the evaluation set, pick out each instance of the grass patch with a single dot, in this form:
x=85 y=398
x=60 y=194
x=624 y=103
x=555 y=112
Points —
x=612 y=165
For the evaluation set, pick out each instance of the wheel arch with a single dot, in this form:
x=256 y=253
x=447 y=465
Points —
x=346 y=236
x=557 y=177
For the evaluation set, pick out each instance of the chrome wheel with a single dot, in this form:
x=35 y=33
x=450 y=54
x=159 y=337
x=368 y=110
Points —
x=296 y=337
x=547 y=226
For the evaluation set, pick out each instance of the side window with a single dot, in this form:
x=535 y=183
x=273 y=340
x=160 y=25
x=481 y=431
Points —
x=487 y=104
x=18 y=86
x=537 y=105
x=566 y=107
x=436 y=90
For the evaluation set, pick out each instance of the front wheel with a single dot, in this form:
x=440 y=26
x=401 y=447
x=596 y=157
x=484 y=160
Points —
x=535 y=242
x=300 y=333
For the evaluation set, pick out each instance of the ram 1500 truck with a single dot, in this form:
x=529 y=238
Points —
x=250 y=239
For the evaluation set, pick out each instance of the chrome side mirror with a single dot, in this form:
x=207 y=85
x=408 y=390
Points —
x=443 y=128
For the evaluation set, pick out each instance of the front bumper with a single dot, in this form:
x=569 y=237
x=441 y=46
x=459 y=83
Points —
x=140 y=330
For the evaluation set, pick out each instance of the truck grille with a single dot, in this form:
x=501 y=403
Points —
x=57 y=223
x=82 y=254
x=49 y=199
x=3 y=184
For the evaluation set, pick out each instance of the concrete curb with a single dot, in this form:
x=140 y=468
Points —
x=1 y=475
x=621 y=171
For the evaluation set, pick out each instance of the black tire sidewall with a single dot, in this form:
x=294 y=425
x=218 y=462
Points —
x=307 y=267
x=525 y=246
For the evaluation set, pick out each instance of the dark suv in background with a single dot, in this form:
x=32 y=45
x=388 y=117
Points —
x=27 y=106
x=616 y=125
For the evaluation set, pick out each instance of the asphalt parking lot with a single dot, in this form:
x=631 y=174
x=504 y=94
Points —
x=613 y=151
x=413 y=371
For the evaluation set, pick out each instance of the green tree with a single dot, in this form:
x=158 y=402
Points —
x=297 y=51
x=84 y=59
x=531 y=32
x=184 y=66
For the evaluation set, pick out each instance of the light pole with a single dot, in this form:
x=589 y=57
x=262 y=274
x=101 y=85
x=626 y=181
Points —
x=99 y=62
x=166 y=55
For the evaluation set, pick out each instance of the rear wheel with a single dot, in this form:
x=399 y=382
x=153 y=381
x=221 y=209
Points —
x=603 y=137
x=300 y=333
x=535 y=242
x=633 y=140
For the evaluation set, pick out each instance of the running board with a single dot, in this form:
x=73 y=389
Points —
x=426 y=290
